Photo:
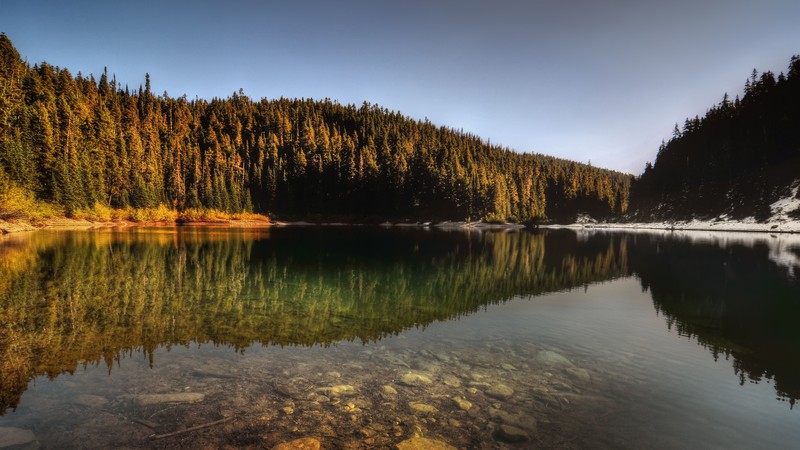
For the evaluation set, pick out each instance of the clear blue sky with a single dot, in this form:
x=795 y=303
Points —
x=589 y=80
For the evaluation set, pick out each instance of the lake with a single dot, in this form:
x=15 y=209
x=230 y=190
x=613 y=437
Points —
x=365 y=337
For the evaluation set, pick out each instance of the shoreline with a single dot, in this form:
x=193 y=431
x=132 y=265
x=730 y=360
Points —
x=8 y=227
x=746 y=226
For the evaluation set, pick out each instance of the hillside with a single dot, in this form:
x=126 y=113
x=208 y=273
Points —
x=74 y=142
x=741 y=161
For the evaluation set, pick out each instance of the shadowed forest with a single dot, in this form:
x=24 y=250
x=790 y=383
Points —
x=742 y=156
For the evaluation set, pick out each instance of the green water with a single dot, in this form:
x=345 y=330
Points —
x=553 y=338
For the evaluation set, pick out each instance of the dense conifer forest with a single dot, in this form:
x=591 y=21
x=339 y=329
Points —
x=77 y=142
x=742 y=156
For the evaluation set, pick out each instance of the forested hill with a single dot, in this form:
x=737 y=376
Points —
x=735 y=162
x=76 y=142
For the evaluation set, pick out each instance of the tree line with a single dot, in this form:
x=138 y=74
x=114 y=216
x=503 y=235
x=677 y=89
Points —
x=77 y=141
x=742 y=156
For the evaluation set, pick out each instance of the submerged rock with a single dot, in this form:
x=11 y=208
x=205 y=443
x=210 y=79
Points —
x=551 y=358
x=14 y=437
x=500 y=392
x=306 y=443
x=423 y=408
x=579 y=374
x=336 y=391
x=443 y=357
x=213 y=373
x=178 y=397
x=421 y=443
x=451 y=380
x=388 y=390
x=92 y=401
x=507 y=433
x=319 y=398
x=525 y=422
x=462 y=403
x=414 y=379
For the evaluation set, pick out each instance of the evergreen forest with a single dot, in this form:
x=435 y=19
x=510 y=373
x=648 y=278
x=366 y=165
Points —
x=77 y=142
x=742 y=156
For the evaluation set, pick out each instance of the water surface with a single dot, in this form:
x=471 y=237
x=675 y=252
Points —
x=364 y=337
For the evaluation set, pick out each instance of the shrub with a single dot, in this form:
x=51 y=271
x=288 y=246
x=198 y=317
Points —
x=19 y=203
x=97 y=213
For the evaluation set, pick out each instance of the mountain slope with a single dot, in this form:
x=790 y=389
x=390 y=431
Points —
x=740 y=161
x=79 y=142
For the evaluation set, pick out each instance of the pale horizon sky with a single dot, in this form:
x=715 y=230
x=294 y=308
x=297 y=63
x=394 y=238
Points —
x=584 y=80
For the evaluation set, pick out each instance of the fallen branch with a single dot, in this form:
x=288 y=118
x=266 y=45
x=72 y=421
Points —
x=144 y=422
x=190 y=429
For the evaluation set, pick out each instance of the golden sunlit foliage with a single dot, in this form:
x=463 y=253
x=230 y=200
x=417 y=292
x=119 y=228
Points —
x=90 y=144
x=19 y=203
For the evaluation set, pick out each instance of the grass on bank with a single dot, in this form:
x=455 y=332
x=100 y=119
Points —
x=19 y=204
x=162 y=213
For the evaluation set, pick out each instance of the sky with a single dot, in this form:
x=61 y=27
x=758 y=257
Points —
x=600 y=81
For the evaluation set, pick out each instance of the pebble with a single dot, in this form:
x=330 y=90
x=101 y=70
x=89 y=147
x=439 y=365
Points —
x=451 y=380
x=442 y=357
x=507 y=433
x=579 y=374
x=526 y=422
x=306 y=443
x=423 y=408
x=13 y=436
x=351 y=407
x=93 y=401
x=500 y=392
x=462 y=404
x=552 y=358
x=414 y=379
x=421 y=443
x=336 y=391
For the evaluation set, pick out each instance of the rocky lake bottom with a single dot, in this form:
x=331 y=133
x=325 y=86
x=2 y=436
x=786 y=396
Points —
x=494 y=395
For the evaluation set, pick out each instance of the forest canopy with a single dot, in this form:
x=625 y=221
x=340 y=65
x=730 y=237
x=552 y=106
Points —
x=77 y=141
x=734 y=162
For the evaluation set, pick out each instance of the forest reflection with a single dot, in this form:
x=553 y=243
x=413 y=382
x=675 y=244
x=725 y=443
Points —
x=92 y=298
x=738 y=296
x=72 y=298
